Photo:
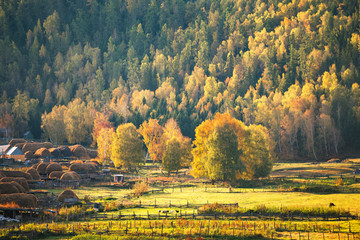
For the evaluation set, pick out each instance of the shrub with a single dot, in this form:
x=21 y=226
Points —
x=140 y=188
x=339 y=182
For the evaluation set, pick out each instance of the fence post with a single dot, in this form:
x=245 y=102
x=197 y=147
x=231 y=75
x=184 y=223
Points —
x=170 y=204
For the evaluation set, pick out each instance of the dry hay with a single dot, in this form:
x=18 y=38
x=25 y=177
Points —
x=69 y=176
x=29 y=155
x=65 y=151
x=83 y=167
x=8 y=187
x=334 y=160
x=55 y=152
x=79 y=151
x=53 y=167
x=20 y=180
x=92 y=153
x=34 y=173
x=15 y=141
x=56 y=174
x=66 y=194
x=16 y=174
x=93 y=162
x=33 y=147
x=21 y=199
x=76 y=161
x=42 y=152
x=20 y=188
x=41 y=168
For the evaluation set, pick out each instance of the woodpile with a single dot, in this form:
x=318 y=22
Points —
x=34 y=146
x=55 y=152
x=8 y=188
x=15 y=141
x=42 y=152
x=70 y=176
x=20 y=180
x=41 y=168
x=83 y=168
x=16 y=174
x=56 y=174
x=52 y=167
x=65 y=151
x=66 y=195
x=79 y=152
x=34 y=173
x=21 y=199
x=29 y=155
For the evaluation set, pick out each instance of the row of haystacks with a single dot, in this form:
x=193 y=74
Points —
x=14 y=187
x=19 y=199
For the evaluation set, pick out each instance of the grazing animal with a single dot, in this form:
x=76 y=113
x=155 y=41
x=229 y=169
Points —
x=172 y=211
x=177 y=211
x=165 y=211
x=331 y=204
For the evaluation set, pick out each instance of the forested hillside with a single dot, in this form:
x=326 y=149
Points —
x=67 y=67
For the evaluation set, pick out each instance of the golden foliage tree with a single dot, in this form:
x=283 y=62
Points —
x=104 y=141
x=127 y=148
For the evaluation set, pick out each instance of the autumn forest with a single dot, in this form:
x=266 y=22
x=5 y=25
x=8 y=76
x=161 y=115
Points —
x=286 y=71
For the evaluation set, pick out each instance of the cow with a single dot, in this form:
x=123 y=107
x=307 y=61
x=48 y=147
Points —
x=331 y=204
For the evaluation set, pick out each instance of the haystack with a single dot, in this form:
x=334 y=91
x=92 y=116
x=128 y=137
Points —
x=34 y=173
x=76 y=161
x=29 y=155
x=70 y=176
x=79 y=152
x=20 y=188
x=56 y=174
x=22 y=181
x=83 y=168
x=55 y=152
x=92 y=153
x=21 y=199
x=93 y=162
x=8 y=187
x=15 y=141
x=41 y=168
x=53 y=167
x=33 y=147
x=65 y=151
x=16 y=174
x=42 y=152
x=65 y=195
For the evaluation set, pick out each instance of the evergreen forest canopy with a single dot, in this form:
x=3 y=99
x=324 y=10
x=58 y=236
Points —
x=291 y=66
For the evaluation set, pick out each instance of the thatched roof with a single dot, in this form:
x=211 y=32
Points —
x=15 y=141
x=33 y=147
x=69 y=176
x=20 y=145
x=92 y=153
x=20 y=188
x=21 y=199
x=83 y=167
x=79 y=152
x=65 y=151
x=34 y=173
x=16 y=174
x=42 y=152
x=66 y=194
x=56 y=174
x=53 y=167
x=55 y=152
x=22 y=181
x=41 y=168
x=29 y=155
x=8 y=187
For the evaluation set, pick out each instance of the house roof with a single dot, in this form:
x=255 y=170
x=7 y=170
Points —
x=14 y=151
x=4 y=148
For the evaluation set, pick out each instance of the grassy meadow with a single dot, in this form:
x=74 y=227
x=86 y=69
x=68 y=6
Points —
x=293 y=203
